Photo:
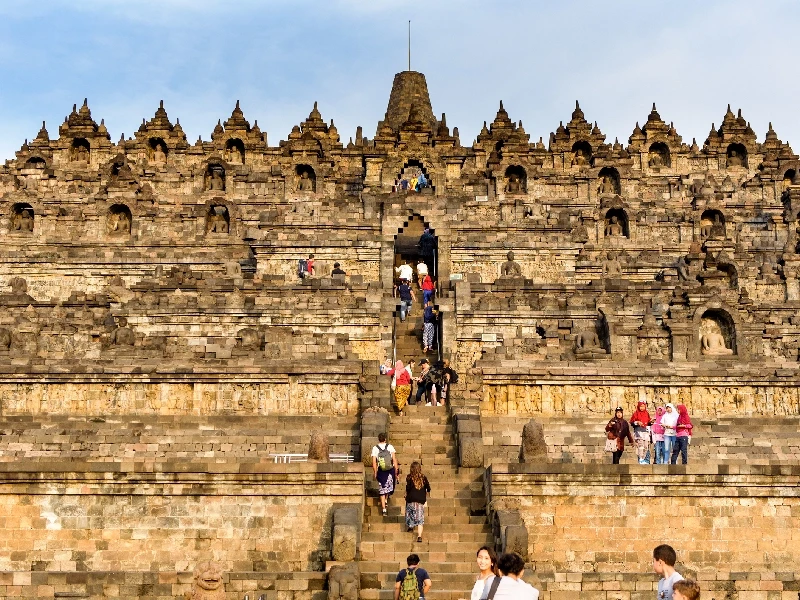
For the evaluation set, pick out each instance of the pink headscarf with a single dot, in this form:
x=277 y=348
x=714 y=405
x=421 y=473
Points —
x=657 y=428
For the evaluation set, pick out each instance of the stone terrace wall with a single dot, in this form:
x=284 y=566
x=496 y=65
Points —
x=154 y=585
x=130 y=516
x=591 y=518
x=285 y=394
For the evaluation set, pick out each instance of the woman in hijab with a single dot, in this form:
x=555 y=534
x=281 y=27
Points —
x=640 y=420
x=683 y=431
x=401 y=382
x=669 y=420
x=620 y=429
x=658 y=438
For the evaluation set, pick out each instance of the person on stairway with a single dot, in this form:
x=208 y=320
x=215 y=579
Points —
x=450 y=378
x=384 y=467
x=428 y=289
x=406 y=294
x=427 y=248
x=424 y=583
x=401 y=384
x=487 y=564
x=429 y=318
x=424 y=383
x=417 y=490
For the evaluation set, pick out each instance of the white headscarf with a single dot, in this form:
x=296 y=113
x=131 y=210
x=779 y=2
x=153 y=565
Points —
x=670 y=419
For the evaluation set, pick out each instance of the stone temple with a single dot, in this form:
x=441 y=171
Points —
x=163 y=367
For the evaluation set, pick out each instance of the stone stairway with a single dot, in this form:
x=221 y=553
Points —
x=408 y=336
x=451 y=537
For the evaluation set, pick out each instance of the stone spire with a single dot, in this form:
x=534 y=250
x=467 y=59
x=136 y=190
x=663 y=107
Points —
x=409 y=90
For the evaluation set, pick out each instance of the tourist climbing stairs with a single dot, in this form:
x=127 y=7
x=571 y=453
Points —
x=452 y=533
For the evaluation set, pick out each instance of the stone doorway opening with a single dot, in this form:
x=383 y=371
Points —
x=407 y=249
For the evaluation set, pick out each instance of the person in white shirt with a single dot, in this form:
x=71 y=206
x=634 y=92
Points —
x=669 y=421
x=405 y=271
x=664 y=559
x=384 y=467
x=511 y=586
x=487 y=564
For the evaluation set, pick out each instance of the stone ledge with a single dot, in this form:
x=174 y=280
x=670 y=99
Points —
x=582 y=479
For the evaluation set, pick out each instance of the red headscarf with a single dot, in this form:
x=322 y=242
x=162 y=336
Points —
x=640 y=414
x=683 y=417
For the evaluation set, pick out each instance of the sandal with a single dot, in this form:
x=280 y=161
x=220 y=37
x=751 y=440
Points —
x=419 y=539
x=385 y=512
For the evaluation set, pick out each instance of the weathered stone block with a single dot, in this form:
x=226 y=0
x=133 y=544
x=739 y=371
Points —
x=470 y=452
x=533 y=447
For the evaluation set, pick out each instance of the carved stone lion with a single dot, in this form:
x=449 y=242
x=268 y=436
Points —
x=208 y=584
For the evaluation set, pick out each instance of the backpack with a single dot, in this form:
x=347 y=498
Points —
x=384 y=458
x=436 y=374
x=302 y=268
x=409 y=588
x=453 y=376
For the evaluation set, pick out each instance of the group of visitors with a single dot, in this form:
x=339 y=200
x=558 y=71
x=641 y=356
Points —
x=433 y=382
x=305 y=268
x=417 y=182
x=668 y=432
x=501 y=578
x=387 y=471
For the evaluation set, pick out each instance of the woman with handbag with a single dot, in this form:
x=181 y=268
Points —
x=617 y=430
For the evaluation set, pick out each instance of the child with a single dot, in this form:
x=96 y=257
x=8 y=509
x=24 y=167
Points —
x=664 y=559
x=686 y=590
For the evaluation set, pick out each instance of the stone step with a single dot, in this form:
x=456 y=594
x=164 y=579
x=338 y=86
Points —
x=454 y=515
x=379 y=568
x=399 y=543
x=375 y=594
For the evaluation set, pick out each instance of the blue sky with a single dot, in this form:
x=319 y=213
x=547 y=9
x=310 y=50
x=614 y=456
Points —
x=278 y=56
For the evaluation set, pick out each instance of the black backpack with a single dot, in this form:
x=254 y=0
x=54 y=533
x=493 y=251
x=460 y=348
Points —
x=302 y=268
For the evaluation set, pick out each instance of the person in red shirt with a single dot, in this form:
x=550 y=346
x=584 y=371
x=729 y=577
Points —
x=401 y=382
x=427 y=290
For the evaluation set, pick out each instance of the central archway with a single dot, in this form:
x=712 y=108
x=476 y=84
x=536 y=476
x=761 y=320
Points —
x=410 y=248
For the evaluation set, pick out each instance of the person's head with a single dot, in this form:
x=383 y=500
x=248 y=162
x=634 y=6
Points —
x=487 y=559
x=511 y=563
x=429 y=303
x=412 y=560
x=446 y=363
x=641 y=405
x=310 y=256
x=411 y=363
x=618 y=412
x=669 y=408
x=381 y=437
x=424 y=363
x=682 y=411
x=659 y=410
x=417 y=478
x=687 y=589
x=663 y=555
